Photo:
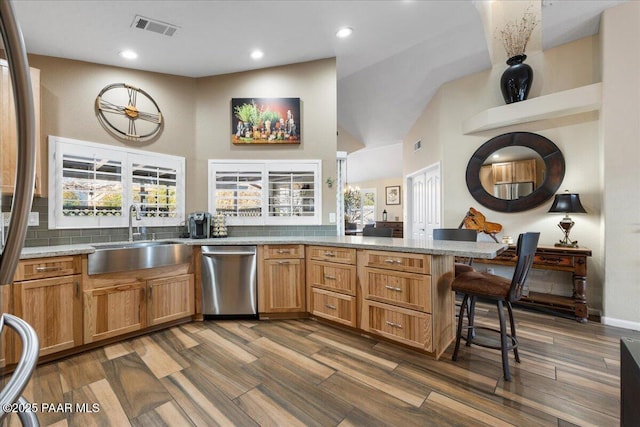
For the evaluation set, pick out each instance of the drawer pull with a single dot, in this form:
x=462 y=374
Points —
x=550 y=260
x=393 y=288
x=51 y=268
x=330 y=306
x=394 y=325
x=327 y=277
x=77 y=286
x=332 y=254
x=283 y=262
x=282 y=251
x=392 y=261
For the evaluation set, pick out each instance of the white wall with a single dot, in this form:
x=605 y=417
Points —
x=620 y=34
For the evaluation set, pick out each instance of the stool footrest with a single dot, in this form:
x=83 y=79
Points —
x=478 y=340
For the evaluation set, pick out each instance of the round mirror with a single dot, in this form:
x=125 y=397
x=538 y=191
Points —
x=515 y=172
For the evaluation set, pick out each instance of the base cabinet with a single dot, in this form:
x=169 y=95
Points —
x=281 y=279
x=114 y=311
x=47 y=294
x=53 y=307
x=170 y=299
x=331 y=284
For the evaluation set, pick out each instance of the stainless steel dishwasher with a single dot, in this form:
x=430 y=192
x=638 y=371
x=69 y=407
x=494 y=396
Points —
x=229 y=282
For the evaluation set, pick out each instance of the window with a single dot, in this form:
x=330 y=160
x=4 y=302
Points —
x=93 y=185
x=360 y=206
x=265 y=193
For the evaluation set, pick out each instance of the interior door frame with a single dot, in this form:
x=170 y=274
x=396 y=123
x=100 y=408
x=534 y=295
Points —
x=434 y=167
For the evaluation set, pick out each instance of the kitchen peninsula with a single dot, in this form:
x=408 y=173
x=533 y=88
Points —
x=397 y=289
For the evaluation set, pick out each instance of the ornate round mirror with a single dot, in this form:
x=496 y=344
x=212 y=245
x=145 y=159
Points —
x=515 y=172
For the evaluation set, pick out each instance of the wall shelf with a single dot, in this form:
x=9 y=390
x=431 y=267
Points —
x=553 y=106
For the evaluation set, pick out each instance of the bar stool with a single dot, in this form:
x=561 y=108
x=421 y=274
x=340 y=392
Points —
x=459 y=235
x=503 y=291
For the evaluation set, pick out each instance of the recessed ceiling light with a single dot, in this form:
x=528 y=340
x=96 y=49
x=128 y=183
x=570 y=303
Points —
x=128 y=54
x=496 y=156
x=344 y=32
x=257 y=54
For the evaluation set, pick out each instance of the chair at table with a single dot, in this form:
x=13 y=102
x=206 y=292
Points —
x=460 y=235
x=377 y=231
x=503 y=291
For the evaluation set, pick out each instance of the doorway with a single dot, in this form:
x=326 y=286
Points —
x=424 y=202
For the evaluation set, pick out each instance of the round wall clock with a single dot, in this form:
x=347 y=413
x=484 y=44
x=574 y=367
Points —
x=128 y=112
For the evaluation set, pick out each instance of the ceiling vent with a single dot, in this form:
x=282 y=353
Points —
x=154 y=26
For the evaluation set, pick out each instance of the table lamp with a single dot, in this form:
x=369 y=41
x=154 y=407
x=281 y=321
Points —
x=567 y=203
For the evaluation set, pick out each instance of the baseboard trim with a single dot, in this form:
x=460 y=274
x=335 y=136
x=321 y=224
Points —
x=626 y=324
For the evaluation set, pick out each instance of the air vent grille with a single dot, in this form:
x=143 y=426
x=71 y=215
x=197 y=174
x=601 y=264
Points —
x=154 y=26
x=417 y=145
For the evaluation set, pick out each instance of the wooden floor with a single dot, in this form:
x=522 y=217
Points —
x=307 y=373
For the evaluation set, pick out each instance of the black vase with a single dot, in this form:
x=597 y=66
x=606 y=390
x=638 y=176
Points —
x=516 y=80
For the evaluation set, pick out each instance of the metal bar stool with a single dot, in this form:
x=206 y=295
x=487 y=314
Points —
x=503 y=291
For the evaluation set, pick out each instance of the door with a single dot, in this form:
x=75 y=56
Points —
x=424 y=204
x=53 y=307
x=170 y=299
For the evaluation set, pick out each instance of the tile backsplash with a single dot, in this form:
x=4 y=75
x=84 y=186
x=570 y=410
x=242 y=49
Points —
x=42 y=236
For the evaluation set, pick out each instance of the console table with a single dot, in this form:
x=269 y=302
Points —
x=573 y=260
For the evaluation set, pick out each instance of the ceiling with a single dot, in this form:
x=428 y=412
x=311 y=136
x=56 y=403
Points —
x=401 y=51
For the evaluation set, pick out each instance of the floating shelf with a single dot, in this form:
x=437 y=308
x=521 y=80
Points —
x=553 y=106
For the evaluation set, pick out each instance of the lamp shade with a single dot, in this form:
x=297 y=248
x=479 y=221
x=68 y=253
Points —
x=567 y=203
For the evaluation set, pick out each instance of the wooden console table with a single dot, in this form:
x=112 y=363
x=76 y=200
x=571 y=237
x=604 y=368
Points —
x=573 y=260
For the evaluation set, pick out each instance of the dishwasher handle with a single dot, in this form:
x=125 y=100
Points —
x=228 y=253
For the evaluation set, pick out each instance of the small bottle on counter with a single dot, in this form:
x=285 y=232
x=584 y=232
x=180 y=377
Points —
x=384 y=215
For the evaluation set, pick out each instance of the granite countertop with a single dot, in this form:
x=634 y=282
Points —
x=433 y=247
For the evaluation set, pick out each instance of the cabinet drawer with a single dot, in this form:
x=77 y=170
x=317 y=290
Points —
x=40 y=268
x=406 y=326
x=334 y=306
x=327 y=275
x=551 y=260
x=283 y=251
x=411 y=263
x=333 y=254
x=407 y=290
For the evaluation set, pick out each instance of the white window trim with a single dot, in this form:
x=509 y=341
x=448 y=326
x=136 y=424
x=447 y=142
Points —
x=264 y=166
x=128 y=156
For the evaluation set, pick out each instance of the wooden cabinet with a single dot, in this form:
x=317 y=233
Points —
x=407 y=298
x=48 y=295
x=516 y=171
x=331 y=283
x=170 y=299
x=524 y=170
x=281 y=273
x=8 y=132
x=124 y=302
x=114 y=310
x=396 y=226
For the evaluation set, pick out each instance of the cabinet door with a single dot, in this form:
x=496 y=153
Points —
x=283 y=286
x=6 y=346
x=502 y=172
x=170 y=299
x=8 y=133
x=524 y=171
x=113 y=311
x=53 y=307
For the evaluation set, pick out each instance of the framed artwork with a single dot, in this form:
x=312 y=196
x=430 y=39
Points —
x=392 y=195
x=265 y=121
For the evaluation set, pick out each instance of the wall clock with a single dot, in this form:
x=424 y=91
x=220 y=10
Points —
x=128 y=112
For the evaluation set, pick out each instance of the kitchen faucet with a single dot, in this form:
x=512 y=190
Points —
x=132 y=208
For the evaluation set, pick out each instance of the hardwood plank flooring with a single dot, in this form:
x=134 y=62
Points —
x=310 y=373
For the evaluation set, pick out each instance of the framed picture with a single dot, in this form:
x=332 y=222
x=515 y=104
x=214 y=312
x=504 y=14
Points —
x=393 y=195
x=265 y=121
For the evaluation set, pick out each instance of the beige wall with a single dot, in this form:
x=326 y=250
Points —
x=313 y=82
x=439 y=128
x=393 y=211
x=620 y=34
x=69 y=89
x=197 y=114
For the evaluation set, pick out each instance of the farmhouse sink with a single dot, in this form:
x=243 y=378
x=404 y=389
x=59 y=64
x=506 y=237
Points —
x=128 y=256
